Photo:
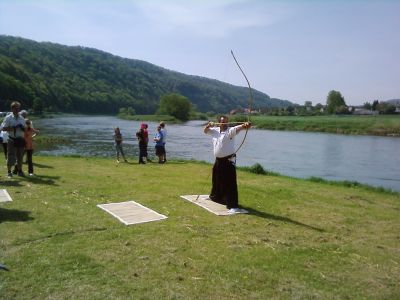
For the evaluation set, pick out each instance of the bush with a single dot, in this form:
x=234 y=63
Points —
x=257 y=169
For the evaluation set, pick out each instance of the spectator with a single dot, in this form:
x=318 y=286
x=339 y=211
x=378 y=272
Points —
x=4 y=141
x=14 y=124
x=160 y=150
x=118 y=144
x=164 y=134
x=143 y=140
x=29 y=134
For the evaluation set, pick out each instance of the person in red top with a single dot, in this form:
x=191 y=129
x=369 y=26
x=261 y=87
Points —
x=146 y=136
x=29 y=134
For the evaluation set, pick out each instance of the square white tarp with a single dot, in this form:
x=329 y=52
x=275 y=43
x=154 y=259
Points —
x=205 y=202
x=131 y=212
x=5 y=196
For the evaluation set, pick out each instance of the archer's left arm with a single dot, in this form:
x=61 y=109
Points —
x=245 y=125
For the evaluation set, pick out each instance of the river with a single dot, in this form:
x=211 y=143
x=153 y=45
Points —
x=366 y=159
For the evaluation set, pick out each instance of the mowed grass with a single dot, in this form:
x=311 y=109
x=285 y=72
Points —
x=388 y=125
x=301 y=240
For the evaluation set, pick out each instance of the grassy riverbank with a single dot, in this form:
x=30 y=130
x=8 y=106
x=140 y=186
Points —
x=363 y=125
x=302 y=239
x=149 y=118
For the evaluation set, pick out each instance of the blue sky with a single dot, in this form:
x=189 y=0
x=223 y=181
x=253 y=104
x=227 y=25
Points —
x=295 y=50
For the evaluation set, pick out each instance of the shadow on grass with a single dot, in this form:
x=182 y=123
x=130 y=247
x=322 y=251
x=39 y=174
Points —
x=3 y=267
x=13 y=215
x=268 y=216
x=10 y=183
x=43 y=166
x=42 y=179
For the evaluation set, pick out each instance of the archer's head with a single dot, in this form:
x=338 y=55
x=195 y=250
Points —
x=223 y=120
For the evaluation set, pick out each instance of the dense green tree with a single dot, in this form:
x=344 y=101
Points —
x=175 y=105
x=79 y=79
x=308 y=103
x=334 y=101
x=342 y=110
x=386 y=108
x=367 y=105
x=375 y=104
x=37 y=106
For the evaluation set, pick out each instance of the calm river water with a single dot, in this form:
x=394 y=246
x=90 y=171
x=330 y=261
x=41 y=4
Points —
x=366 y=159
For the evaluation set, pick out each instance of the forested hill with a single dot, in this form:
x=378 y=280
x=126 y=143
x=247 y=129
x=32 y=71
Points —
x=85 y=80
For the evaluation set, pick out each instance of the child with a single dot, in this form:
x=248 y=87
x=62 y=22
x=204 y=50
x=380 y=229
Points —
x=160 y=150
x=29 y=134
x=118 y=144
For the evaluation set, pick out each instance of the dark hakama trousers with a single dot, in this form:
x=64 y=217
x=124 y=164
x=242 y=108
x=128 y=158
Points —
x=224 y=186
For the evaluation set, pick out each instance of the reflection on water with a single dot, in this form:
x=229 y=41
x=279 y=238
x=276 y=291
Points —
x=366 y=159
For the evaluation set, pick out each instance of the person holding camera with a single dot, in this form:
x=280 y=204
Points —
x=14 y=124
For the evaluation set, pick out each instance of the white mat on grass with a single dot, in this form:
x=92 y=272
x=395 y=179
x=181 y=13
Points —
x=131 y=212
x=4 y=196
x=205 y=202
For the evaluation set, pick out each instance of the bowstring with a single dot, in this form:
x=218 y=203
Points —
x=250 y=100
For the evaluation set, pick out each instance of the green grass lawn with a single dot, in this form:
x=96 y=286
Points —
x=365 y=125
x=301 y=240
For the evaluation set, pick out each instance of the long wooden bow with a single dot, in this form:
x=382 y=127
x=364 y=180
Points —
x=250 y=101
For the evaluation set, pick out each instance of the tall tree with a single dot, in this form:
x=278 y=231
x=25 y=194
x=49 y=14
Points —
x=334 y=101
x=175 y=105
x=375 y=104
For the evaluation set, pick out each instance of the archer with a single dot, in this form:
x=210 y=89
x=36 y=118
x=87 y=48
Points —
x=224 y=187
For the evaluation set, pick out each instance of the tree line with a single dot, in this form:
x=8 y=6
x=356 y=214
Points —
x=335 y=105
x=52 y=77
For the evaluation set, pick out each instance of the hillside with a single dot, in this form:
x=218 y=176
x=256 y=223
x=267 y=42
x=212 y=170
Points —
x=393 y=101
x=86 y=80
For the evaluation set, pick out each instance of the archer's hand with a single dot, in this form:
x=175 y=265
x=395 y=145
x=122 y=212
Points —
x=247 y=125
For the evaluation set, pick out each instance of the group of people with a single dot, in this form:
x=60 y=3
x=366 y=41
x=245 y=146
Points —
x=142 y=136
x=17 y=135
x=224 y=183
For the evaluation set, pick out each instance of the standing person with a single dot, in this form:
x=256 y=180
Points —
x=29 y=134
x=14 y=124
x=224 y=185
x=146 y=136
x=23 y=113
x=160 y=150
x=142 y=136
x=164 y=133
x=4 y=136
x=118 y=144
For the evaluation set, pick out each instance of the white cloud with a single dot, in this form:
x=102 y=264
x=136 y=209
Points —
x=215 y=19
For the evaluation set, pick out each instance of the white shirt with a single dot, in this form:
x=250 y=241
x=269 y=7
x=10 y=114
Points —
x=164 y=133
x=4 y=135
x=10 y=121
x=223 y=142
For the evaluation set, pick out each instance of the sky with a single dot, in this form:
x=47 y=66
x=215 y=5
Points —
x=294 y=50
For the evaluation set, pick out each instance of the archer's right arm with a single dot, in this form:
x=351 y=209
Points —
x=207 y=127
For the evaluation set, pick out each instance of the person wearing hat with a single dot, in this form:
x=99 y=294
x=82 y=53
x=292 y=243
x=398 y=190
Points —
x=143 y=138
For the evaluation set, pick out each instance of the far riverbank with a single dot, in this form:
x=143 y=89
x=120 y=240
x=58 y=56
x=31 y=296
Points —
x=381 y=125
